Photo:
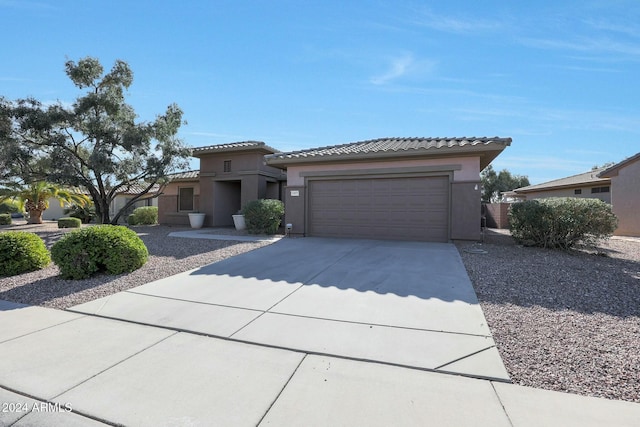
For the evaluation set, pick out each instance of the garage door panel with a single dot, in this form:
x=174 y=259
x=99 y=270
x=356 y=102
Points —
x=415 y=208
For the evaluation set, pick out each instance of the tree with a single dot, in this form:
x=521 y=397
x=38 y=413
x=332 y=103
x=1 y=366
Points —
x=494 y=184
x=34 y=198
x=96 y=144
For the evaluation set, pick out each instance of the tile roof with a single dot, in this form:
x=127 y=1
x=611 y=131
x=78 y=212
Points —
x=233 y=146
x=139 y=188
x=391 y=147
x=186 y=176
x=586 y=178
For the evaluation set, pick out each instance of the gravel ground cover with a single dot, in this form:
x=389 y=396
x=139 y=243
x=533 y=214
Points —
x=566 y=321
x=167 y=256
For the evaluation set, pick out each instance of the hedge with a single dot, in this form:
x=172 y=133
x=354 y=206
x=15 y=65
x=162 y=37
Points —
x=21 y=252
x=5 y=219
x=102 y=248
x=561 y=222
x=144 y=215
x=69 y=223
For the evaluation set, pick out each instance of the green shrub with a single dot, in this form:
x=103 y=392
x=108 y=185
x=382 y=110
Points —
x=145 y=215
x=69 y=223
x=83 y=213
x=9 y=207
x=5 y=219
x=102 y=248
x=21 y=252
x=131 y=220
x=263 y=216
x=561 y=222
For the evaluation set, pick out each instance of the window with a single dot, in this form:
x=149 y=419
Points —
x=600 y=190
x=578 y=191
x=185 y=199
x=227 y=166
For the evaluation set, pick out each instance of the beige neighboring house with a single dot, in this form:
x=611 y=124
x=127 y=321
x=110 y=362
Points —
x=625 y=194
x=55 y=211
x=424 y=189
x=618 y=185
x=588 y=184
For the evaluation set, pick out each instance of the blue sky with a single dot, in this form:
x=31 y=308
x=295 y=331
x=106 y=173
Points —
x=560 y=78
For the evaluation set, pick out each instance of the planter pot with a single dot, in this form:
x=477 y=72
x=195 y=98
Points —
x=196 y=220
x=238 y=221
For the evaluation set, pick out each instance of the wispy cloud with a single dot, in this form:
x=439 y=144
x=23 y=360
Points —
x=401 y=66
x=603 y=25
x=585 y=44
x=457 y=25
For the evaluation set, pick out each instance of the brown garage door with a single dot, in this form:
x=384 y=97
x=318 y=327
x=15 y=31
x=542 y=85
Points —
x=415 y=208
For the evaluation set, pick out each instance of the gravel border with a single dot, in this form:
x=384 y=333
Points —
x=566 y=321
x=167 y=256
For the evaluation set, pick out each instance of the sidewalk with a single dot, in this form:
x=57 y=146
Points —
x=93 y=371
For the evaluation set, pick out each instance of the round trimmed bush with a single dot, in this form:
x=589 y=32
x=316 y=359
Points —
x=102 y=248
x=21 y=252
x=263 y=216
x=5 y=219
x=69 y=223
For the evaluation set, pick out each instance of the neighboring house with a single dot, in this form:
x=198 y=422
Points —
x=55 y=211
x=625 y=194
x=123 y=197
x=230 y=176
x=425 y=189
x=588 y=184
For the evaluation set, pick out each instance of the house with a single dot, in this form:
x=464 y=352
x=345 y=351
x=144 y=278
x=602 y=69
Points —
x=588 y=184
x=625 y=194
x=230 y=175
x=425 y=189
x=55 y=211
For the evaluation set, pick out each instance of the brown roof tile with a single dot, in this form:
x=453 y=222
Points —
x=233 y=146
x=391 y=147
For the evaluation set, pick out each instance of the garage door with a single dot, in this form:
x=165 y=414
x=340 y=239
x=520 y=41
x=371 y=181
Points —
x=415 y=208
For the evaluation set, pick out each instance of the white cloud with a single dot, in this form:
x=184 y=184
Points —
x=448 y=24
x=397 y=68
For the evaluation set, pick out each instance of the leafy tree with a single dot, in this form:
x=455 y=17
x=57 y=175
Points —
x=96 y=144
x=494 y=184
x=33 y=198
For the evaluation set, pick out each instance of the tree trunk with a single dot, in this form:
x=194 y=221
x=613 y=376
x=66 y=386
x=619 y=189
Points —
x=35 y=216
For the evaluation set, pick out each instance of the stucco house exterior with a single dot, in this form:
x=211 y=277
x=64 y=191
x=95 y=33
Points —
x=230 y=175
x=625 y=194
x=425 y=189
x=588 y=184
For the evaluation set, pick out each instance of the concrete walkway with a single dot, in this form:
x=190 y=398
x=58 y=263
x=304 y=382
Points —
x=60 y=368
x=401 y=303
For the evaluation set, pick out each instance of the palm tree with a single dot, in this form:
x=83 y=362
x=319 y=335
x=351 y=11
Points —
x=33 y=198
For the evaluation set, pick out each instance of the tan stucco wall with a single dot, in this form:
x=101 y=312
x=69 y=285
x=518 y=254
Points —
x=168 y=203
x=625 y=197
x=469 y=171
x=570 y=192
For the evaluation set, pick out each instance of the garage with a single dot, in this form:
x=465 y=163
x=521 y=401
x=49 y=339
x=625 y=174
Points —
x=423 y=189
x=402 y=208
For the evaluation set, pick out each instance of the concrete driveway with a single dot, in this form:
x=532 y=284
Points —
x=402 y=303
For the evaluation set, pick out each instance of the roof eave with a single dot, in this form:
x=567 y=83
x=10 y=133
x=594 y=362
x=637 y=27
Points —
x=488 y=152
x=615 y=169
x=524 y=190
